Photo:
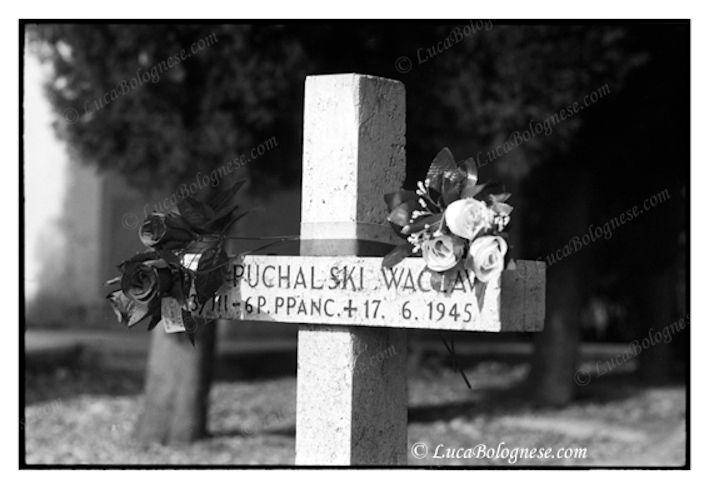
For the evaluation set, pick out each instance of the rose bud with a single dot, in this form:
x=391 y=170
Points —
x=468 y=217
x=144 y=283
x=443 y=252
x=488 y=257
x=168 y=231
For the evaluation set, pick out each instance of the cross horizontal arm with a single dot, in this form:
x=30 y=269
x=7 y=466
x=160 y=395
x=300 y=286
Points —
x=357 y=291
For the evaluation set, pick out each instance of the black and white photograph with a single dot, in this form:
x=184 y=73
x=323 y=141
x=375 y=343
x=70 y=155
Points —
x=342 y=243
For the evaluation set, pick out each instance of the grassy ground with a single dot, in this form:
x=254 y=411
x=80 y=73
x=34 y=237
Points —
x=84 y=416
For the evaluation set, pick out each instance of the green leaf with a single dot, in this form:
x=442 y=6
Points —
x=222 y=199
x=397 y=254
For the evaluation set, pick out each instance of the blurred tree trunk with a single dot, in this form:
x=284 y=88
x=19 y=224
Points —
x=556 y=348
x=656 y=311
x=177 y=387
x=178 y=378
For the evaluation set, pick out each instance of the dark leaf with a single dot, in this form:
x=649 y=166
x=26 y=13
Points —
x=499 y=197
x=222 y=199
x=221 y=217
x=437 y=281
x=470 y=190
x=127 y=310
x=450 y=191
x=229 y=223
x=443 y=163
x=195 y=212
x=468 y=170
x=153 y=322
x=397 y=254
x=469 y=187
x=180 y=289
x=170 y=258
x=207 y=284
x=395 y=199
x=453 y=179
x=491 y=188
x=222 y=225
x=140 y=257
x=420 y=223
x=451 y=195
x=480 y=293
x=401 y=215
x=177 y=245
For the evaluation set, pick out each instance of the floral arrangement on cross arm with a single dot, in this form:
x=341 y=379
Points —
x=451 y=220
x=185 y=260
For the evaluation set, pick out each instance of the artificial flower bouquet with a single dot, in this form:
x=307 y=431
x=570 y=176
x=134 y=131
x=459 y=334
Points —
x=451 y=220
x=184 y=266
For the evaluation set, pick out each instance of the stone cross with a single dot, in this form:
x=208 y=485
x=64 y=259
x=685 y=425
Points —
x=353 y=314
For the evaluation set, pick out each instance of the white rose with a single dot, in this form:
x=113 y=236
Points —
x=442 y=252
x=468 y=217
x=488 y=256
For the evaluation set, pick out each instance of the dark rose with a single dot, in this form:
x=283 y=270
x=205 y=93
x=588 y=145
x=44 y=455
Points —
x=166 y=231
x=144 y=282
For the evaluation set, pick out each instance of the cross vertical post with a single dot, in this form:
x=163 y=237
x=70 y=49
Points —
x=352 y=391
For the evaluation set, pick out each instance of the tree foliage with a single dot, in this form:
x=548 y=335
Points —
x=235 y=86
x=470 y=92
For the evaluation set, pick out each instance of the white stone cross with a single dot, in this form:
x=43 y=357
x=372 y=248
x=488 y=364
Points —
x=352 y=314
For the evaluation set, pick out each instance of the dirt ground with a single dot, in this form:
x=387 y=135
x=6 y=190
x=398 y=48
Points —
x=85 y=416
